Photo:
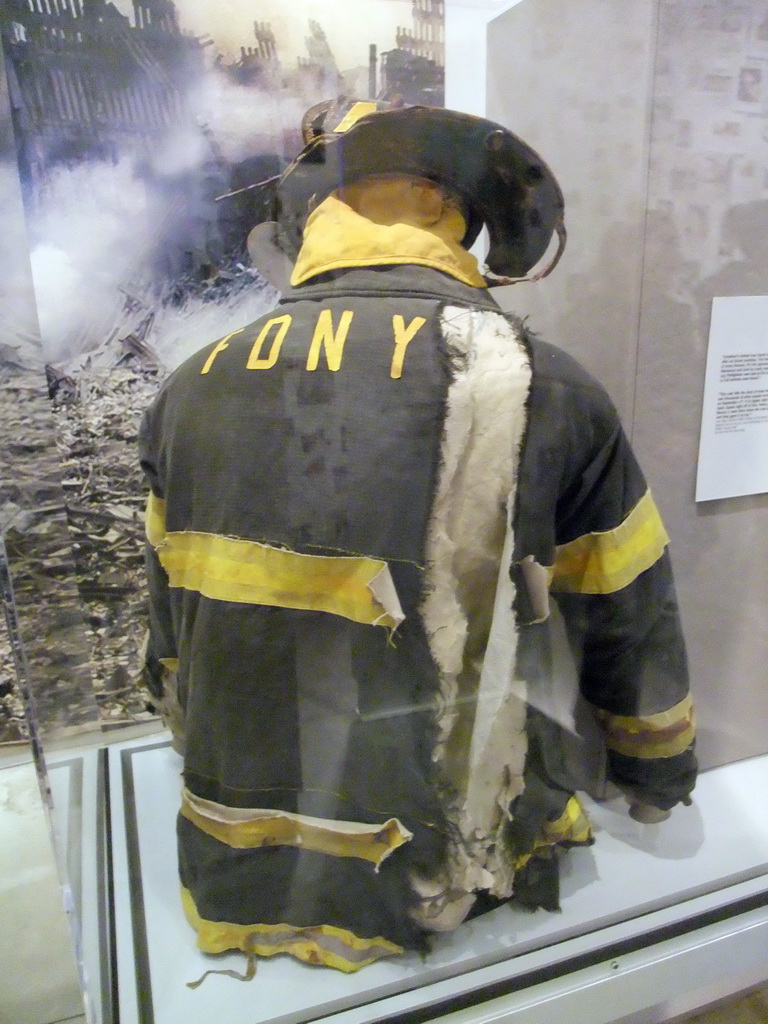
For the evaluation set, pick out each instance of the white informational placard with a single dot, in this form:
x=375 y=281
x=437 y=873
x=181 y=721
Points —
x=733 y=448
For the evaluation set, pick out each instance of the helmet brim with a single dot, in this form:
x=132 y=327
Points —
x=500 y=181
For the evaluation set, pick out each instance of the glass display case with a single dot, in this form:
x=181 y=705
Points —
x=142 y=147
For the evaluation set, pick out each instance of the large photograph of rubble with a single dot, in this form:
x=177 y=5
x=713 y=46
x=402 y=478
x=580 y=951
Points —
x=146 y=136
x=43 y=648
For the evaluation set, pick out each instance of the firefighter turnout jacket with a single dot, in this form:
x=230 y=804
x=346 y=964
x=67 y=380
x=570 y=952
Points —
x=361 y=507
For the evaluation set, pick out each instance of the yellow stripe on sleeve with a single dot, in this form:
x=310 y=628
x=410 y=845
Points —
x=604 y=562
x=572 y=828
x=665 y=734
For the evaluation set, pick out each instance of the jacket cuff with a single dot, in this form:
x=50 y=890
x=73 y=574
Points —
x=661 y=782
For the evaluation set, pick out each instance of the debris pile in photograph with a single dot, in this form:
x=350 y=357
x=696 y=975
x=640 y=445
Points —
x=45 y=613
x=98 y=417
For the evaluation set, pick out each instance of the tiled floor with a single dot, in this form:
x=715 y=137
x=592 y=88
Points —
x=38 y=980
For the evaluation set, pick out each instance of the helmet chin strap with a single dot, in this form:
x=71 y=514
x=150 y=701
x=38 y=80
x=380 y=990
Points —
x=496 y=280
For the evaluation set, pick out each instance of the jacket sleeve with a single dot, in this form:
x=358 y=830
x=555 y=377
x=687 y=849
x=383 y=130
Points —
x=612 y=579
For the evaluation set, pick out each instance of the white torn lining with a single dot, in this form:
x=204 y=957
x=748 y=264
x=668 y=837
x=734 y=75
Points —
x=382 y=586
x=439 y=909
x=482 y=743
x=536 y=579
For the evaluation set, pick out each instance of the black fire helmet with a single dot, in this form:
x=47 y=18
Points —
x=498 y=179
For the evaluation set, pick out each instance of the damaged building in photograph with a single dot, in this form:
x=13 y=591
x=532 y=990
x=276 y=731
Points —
x=85 y=83
x=88 y=83
x=415 y=70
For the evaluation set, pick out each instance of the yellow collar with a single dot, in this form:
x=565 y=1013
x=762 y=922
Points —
x=336 y=236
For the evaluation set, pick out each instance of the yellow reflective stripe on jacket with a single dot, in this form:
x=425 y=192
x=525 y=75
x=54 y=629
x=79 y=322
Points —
x=231 y=569
x=662 y=735
x=154 y=520
x=251 y=828
x=319 y=944
x=572 y=827
x=602 y=563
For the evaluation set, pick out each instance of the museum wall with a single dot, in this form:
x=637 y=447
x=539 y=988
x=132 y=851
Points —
x=573 y=81
x=707 y=231
x=653 y=117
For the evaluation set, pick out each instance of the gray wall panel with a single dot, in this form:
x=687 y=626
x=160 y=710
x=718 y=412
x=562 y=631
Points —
x=708 y=160
x=573 y=79
x=653 y=116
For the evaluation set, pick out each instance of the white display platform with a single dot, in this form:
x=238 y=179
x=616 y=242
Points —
x=637 y=880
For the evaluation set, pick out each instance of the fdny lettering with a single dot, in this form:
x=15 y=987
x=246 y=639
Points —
x=403 y=335
x=219 y=347
x=328 y=338
x=255 y=362
x=334 y=343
